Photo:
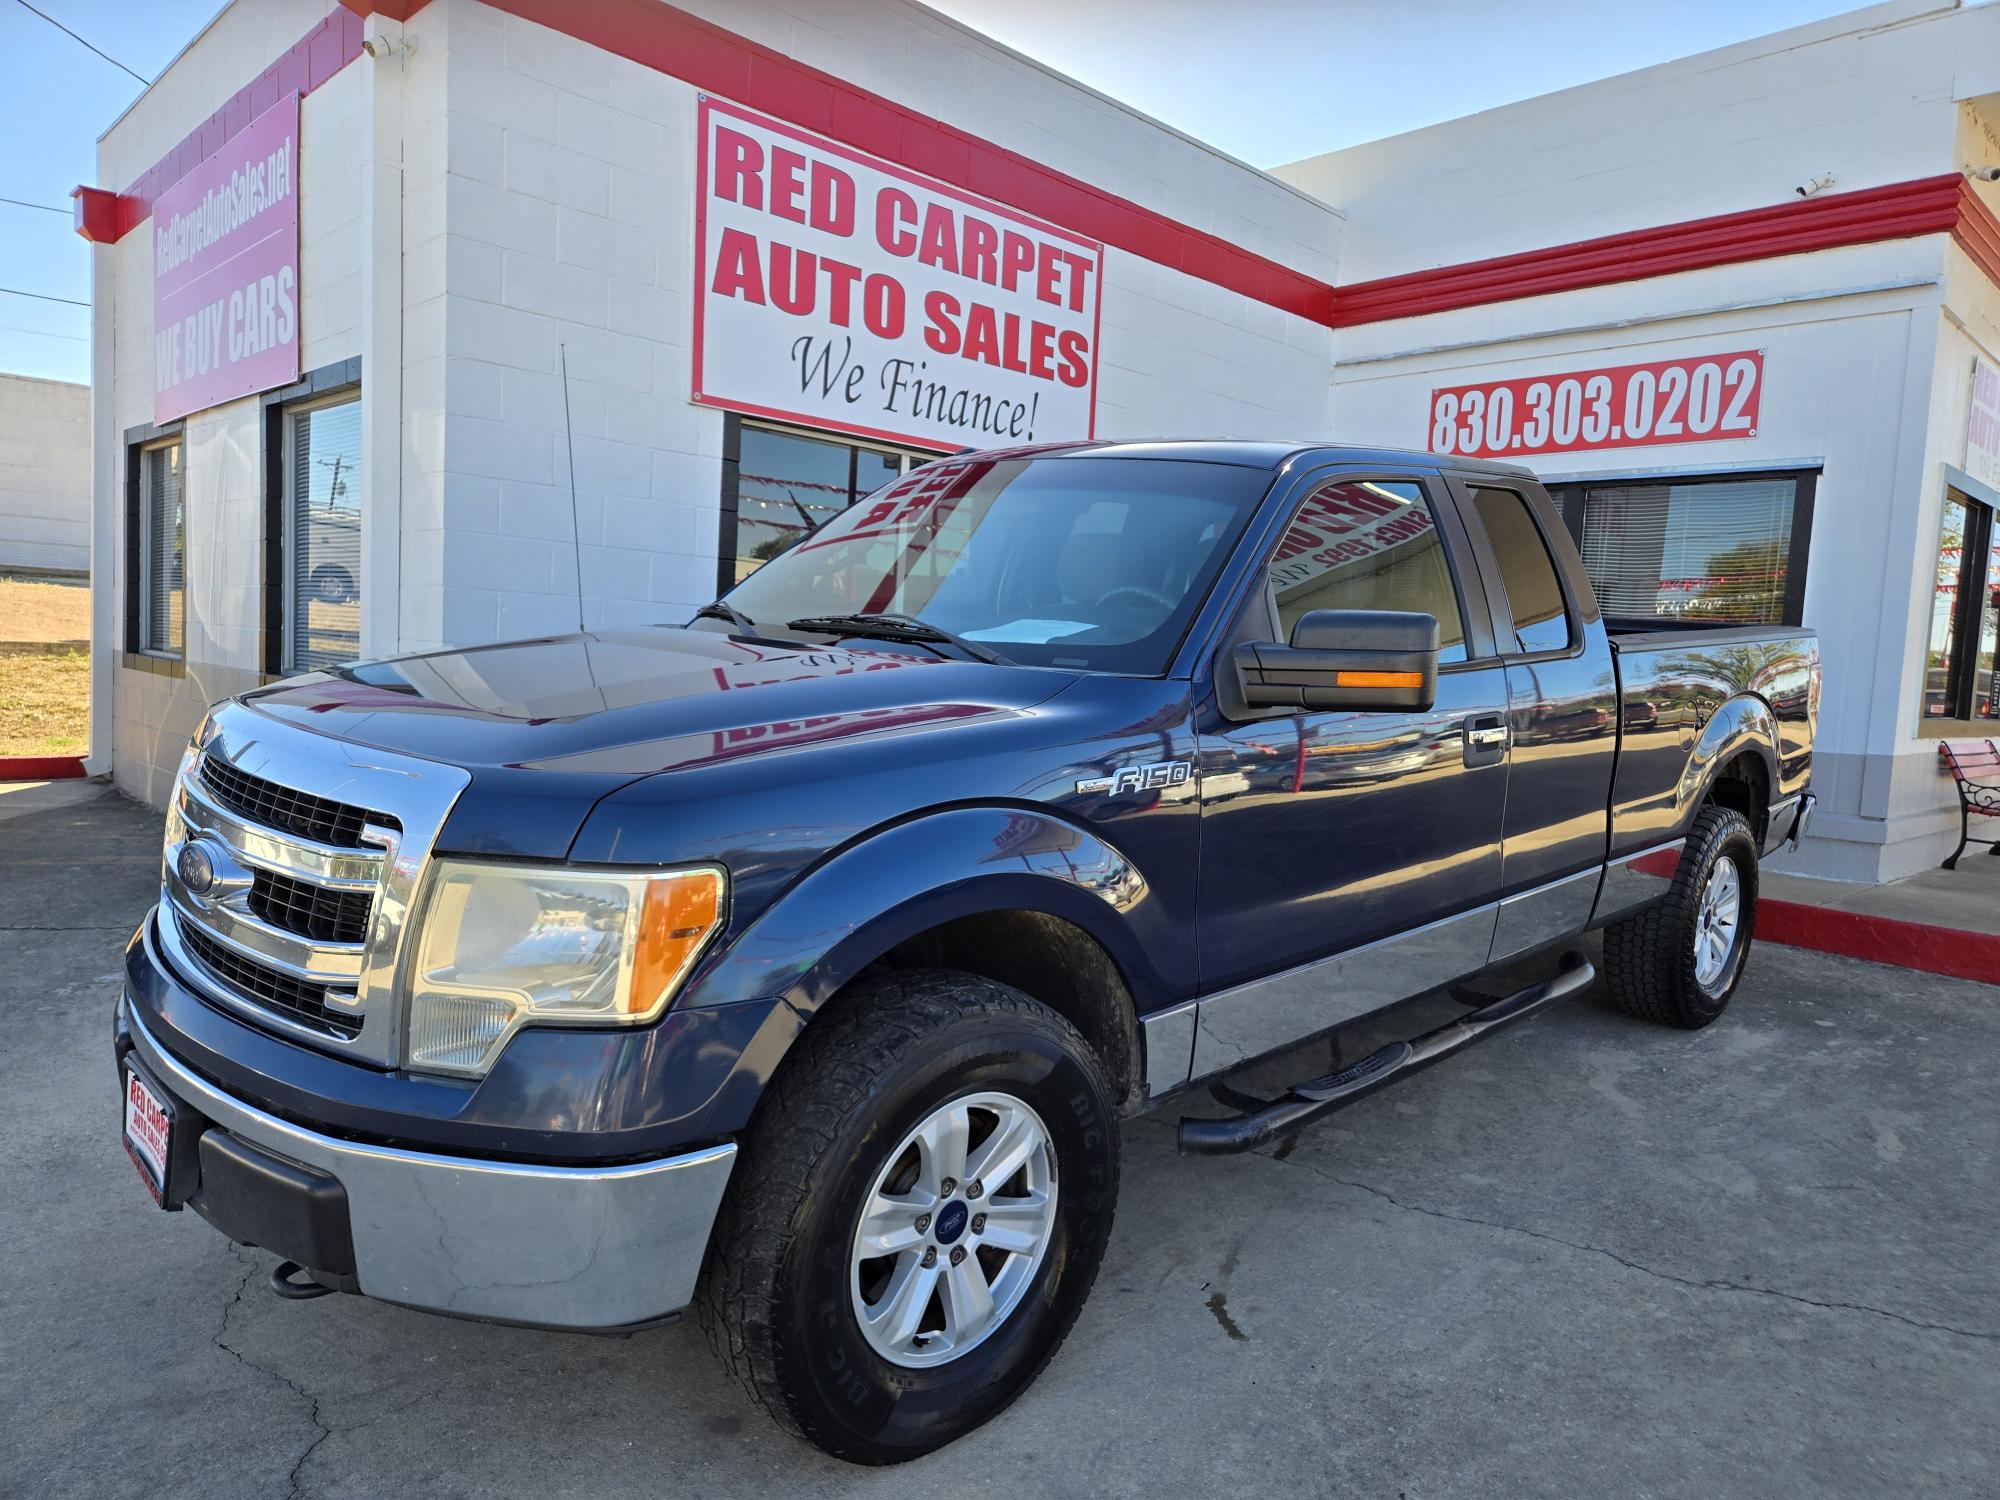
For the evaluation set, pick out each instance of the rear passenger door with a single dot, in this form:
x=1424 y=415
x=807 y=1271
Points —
x=1367 y=840
x=1562 y=715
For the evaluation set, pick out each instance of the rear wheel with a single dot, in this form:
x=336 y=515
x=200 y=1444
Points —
x=1679 y=961
x=918 y=1214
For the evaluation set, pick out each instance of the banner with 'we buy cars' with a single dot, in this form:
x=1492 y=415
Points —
x=847 y=292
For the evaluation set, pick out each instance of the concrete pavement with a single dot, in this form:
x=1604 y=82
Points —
x=1589 y=1258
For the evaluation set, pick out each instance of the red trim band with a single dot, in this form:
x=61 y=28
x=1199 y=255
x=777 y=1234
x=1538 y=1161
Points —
x=1929 y=205
x=1978 y=231
x=41 y=767
x=697 y=52
x=1882 y=940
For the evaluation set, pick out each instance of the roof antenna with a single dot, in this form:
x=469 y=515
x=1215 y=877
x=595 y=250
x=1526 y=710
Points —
x=575 y=532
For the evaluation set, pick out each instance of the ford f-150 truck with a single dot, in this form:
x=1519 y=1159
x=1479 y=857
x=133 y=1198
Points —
x=799 y=963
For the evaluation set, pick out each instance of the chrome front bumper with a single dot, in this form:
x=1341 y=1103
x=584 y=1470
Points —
x=566 y=1247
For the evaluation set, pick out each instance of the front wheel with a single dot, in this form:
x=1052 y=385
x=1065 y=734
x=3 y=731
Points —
x=1679 y=961
x=918 y=1214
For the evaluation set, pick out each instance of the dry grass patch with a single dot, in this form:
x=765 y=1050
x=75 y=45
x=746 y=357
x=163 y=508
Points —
x=32 y=611
x=45 y=704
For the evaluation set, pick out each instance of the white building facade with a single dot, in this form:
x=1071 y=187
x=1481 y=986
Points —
x=428 y=324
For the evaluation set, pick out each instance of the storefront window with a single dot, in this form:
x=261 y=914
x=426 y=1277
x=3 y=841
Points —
x=163 y=551
x=787 y=483
x=1712 y=550
x=1965 y=615
x=323 y=540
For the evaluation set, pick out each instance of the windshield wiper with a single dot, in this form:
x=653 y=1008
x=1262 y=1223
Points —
x=723 y=610
x=898 y=628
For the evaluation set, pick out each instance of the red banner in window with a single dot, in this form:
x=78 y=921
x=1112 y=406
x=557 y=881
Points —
x=1706 y=399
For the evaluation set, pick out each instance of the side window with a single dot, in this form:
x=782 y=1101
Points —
x=162 y=579
x=323 y=534
x=1367 y=544
x=1527 y=572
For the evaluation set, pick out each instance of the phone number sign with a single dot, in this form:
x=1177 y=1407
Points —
x=1707 y=399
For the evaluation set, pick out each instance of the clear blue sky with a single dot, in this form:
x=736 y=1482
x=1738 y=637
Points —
x=1266 y=80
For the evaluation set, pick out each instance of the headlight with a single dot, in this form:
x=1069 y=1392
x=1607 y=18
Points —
x=501 y=946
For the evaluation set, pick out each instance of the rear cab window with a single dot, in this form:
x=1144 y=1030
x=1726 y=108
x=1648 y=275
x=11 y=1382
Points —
x=1540 y=615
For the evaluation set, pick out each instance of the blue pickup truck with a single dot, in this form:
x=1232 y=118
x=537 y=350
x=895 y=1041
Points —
x=800 y=963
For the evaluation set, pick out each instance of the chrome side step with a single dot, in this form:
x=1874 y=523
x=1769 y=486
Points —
x=1308 y=1101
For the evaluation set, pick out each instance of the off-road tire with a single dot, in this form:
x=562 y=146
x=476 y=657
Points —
x=1649 y=958
x=775 y=1300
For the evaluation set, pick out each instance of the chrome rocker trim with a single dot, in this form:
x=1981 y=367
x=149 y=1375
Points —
x=592 y=1248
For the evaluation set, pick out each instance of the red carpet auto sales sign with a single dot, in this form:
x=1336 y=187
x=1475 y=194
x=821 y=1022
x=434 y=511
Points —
x=846 y=292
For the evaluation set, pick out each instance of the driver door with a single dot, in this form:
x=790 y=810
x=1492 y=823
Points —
x=1350 y=859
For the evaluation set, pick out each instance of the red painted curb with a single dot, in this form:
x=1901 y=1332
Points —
x=40 y=767
x=1883 y=940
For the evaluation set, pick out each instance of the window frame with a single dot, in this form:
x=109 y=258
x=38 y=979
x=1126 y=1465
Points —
x=327 y=385
x=140 y=441
x=1982 y=507
x=1568 y=496
x=733 y=424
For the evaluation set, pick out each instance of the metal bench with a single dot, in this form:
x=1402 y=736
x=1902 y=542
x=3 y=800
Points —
x=1975 y=766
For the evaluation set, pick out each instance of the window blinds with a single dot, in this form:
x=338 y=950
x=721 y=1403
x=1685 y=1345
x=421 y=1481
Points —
x=1718 y=550
x=164 y=584
x=325 y=542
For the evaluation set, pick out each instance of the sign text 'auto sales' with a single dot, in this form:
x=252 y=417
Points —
x=844 y=291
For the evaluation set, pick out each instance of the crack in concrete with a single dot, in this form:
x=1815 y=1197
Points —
x=322 y=1431
x=1711 y=1284
x=1707 y=1284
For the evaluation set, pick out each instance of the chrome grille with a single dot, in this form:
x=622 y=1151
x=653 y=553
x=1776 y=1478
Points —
x=316 y=847
x=319 y=818
x=272 y=986
x=311 y=911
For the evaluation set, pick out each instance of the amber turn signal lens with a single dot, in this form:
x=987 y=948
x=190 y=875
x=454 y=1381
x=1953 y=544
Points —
x=1378 y=679
x=680 y=912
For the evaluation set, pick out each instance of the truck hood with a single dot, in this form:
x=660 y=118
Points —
x=548 y=727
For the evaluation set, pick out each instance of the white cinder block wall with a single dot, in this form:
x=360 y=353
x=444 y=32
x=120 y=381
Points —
x=44 y=475
x=568 y=207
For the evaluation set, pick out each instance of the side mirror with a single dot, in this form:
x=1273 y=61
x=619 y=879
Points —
x=1344 y=658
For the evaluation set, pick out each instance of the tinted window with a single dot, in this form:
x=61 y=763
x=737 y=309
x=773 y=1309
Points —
x=1367 y=544
x=1527 y=572
x=1096 y=563
x=788 y=483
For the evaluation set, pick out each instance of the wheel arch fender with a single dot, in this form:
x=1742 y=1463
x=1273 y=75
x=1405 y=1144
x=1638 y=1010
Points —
x=899 y=882
x=1745 y=725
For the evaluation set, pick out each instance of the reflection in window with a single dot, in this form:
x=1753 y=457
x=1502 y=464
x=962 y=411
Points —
x=323 y=542
x=163 y=555
x=1942 y=658
x=1527 y=572
x=1709 y=550
x=788 y=483
x=1985 y=697
x=1366 y=545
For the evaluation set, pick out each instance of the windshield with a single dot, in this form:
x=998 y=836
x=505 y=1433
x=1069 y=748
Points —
x=1095 y=563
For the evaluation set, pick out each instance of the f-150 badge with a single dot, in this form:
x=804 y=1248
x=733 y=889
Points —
x=1161 y=773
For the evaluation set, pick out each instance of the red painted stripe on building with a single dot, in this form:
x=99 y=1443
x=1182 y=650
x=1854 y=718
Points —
x=1882 y=940
x=1978 y=231
x=40 y=767
x=697 y=52
x=304 y=66
x=1928 y=205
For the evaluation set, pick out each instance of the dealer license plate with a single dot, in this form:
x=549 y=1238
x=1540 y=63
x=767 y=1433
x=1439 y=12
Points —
x=149 y=1128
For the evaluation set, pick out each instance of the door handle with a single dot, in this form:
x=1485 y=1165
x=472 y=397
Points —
x=1485 y=740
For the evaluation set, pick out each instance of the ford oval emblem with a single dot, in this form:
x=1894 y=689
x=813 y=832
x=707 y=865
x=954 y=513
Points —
x=196 y=868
